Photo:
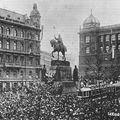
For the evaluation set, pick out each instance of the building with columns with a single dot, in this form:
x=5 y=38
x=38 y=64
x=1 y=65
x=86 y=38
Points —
x=101 y=41
x=19 y=46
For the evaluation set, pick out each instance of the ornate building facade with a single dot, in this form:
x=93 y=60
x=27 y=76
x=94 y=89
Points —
x=101 y=41
x=19 y=46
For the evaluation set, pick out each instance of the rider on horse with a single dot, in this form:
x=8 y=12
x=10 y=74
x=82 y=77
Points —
x=59 y=40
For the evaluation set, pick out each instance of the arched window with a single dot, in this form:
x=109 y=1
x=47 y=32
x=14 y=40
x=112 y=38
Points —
x=0 y=73
x=0 y=43
x=22 y=34
x=7 y=73
x=8 y=44
x=8 y=31
x=22 y=46
x=29 y=35
x=15 y=45
x=21 y=73
x=15 y=32
x=30 y=47
x=22 y=60
x=1 y=30
x=30 y=74
x=15 y=73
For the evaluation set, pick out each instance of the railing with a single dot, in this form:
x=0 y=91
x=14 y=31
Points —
x=18 y=64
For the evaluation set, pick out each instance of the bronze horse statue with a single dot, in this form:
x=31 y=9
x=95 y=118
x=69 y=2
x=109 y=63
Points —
x=57 y=47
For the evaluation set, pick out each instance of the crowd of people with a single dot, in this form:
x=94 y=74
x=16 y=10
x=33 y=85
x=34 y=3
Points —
x=36 y=102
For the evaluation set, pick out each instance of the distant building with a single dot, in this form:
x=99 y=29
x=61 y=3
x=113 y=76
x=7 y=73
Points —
x=19 y=46
x=94 y=38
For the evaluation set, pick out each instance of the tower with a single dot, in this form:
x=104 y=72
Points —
x=35 y=16
x=88 y=36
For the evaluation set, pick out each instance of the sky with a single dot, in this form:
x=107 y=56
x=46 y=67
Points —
x=67 y=16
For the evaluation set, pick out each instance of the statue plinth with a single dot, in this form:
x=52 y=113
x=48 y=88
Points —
x=60 y=63
x=63 y=71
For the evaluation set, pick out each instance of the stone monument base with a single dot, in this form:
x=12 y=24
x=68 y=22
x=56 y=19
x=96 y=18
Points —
x=63 y=73
x=63 y=69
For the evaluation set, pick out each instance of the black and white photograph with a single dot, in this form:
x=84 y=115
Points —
x=59 y=59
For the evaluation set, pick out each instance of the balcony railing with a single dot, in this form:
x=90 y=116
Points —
x=18 y=64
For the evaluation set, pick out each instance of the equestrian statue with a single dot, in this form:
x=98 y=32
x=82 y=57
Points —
x=58 y=46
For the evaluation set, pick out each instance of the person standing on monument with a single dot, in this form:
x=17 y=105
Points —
x=44 y=73
x=75 y=74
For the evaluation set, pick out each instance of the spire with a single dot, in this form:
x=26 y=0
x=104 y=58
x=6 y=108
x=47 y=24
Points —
x=91 y=21
x=91 y=11
x=34 y=6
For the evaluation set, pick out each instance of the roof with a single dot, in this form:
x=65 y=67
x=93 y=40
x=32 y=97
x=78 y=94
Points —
x=12 y=15
x=34 y=12
x=91 y=21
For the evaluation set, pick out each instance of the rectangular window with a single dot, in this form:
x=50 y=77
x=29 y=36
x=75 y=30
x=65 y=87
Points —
x=101 y=48
x=37 y=37
x=87 y=39
x=113 y=38
x=119 y=48
x=107 y=49
x=22 y=60
x=88 y=50
x=15 y=73
x=30 y=61
x=118 y=36
x=15 y=59
x=0 y=58
x=8 y=58
x=107 y=38
x=101 y=38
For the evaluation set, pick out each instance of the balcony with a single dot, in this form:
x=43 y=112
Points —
x=19 y=65
x=16 y=79
x=19 y=52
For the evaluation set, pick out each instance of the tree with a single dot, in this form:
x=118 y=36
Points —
x=94 y=68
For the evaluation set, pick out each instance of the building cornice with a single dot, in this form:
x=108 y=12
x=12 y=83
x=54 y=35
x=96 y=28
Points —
x=18 y=23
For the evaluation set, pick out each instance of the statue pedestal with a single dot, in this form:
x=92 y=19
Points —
x=63 y=75
x=63 y=71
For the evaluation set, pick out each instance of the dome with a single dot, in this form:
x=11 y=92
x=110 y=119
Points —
x=91 y=22
x=34 y=12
